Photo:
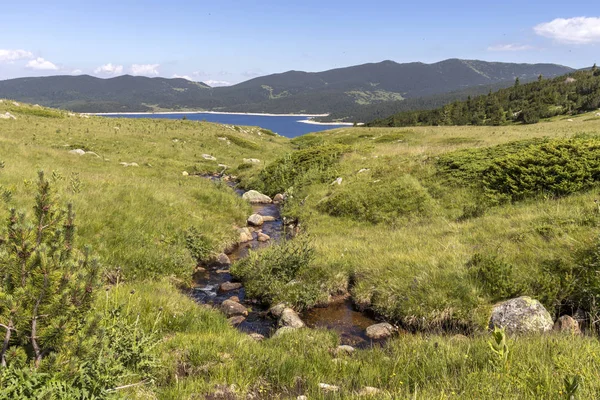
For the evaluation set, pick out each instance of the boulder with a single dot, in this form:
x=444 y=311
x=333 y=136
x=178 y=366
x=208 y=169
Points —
x=235 y=321
x=221 y=260
x=208 y=157
x=290 y=319
x=263 y=237
x=328 y=388
x=277 y=310
x=380 y=331
x=245 y=235
x=78 y=152
x=235 y=298
x=232 y=309
x=255 y=220
x=7 y=116
x=255 y=197
x=521 y=315
x=369 y=391
x=344 y=349
x=567 y=324
x=185 y=173
x=278 y=198
x=257 y=336
x=337 y=181
x=268 y=218
x=228 y=286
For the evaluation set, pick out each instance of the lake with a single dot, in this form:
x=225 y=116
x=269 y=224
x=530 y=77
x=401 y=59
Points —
x=285 y=125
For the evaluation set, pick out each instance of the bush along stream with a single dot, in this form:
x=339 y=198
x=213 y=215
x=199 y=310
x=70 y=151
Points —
x=216 y=285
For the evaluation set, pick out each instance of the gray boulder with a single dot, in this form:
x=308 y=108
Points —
x=290 y=319
x=521 y=316
x=228 y=286
x=255 y=220
x=567 y=324
x=255 y=197
x=245 y=235
x=380 y=331
x=233 y=309
x=277 y=310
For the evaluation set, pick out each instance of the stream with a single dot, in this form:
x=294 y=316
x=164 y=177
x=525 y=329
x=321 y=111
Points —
x=340 y=315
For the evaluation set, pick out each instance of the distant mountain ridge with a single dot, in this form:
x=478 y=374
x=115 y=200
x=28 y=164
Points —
x=334 y=91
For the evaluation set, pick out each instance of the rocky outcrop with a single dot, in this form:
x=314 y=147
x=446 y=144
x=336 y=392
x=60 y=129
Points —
x=229 y=286
x=567 y=324
x=255 y=220
x=233 y=309
x=522 y=315
x=255 y=197
x=380 y=331
x=290 y=319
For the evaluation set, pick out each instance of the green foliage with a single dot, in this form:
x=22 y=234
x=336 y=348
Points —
x=38 y=112
x=302 y=167
x=494 y=276
x=376 y=202
x=572 y=386
x=499 y=347
x=280 y=273
x=390 y=138
x=46 y=284
x=555 y=168
x=199 y=245
x=243 y=143
x=527 y=103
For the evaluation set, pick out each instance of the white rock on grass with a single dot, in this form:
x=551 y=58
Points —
x=16 y=104
x=328 y=388
x=185 y=173
x=338 y=181
x=251 y=160
x=521 y=315
x=209 y=157
x=126 y=164
x=78 y=152
x=7 y=116
x=255 y=197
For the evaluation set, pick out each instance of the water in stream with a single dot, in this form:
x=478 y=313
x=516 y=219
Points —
x=339 y=315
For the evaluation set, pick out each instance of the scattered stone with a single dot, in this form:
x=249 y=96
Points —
x=251 y=160
x=369 y=391
x=16 y=104
x=133 y=164
x=567 y=324
x=71 y=114
x=570 y=80
x=521 y=315
x=84 y=115
x=263 y=237
x=277 y=310
x=7 y=116
x=185 y=173
x=221 y=260
x=223 y=166
x=283 y=331
x=117 y=128
x=302 y=398
x=222 y=138
x=235 y=298
x=222 y=271
x=268 y=218
x=328 y=388
x=569 y=120
x=380 y=331
x=338 y=181
x=235 y=321
x=257 y=336
x=255 y=197
x=290 y=319
x=228 y=286
x=363 y=170
x=255 y=219
x=78 y=152
x=232 y=309
x=245 y=235
x=278 y=198
x=92 y=154
x=208 y=157
x=598 y=114
x=344 y=349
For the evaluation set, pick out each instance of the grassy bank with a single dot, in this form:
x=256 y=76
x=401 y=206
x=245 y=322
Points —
x=421 y=260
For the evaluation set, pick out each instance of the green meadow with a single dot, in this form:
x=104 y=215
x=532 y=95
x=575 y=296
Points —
x=429 y=227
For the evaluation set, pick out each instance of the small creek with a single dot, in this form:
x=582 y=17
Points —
x=339 y=315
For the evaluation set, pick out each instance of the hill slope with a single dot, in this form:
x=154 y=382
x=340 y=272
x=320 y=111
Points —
x=577 y=93
x=333 y=91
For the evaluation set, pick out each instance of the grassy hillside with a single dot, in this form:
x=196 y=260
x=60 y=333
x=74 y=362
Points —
x=413 y=231
x=577 y=93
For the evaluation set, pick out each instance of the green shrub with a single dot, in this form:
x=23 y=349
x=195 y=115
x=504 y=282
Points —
x=555 y=168
x=305 y=141
x=38 y=112
x=243 y=143
x=378 y=201
x=390 y=138
x=198 y=244
x=279 y=274
x=302 y=167
x=494 y=276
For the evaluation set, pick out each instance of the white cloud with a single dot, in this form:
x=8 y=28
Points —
x=214 y=83
x=109 y=69
x=145 y=69
x=76 y=72
x=14 y=55
x=189 y=78
x=578 y=30
x=41 y=64
x=510 y=47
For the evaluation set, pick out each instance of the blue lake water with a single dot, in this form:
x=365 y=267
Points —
x=287 y=126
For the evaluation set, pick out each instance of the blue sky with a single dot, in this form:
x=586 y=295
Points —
x=229 y=41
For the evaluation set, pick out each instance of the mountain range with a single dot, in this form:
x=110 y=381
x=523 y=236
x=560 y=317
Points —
x=347 y=93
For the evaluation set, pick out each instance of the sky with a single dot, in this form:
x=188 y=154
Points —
x=227 y=41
